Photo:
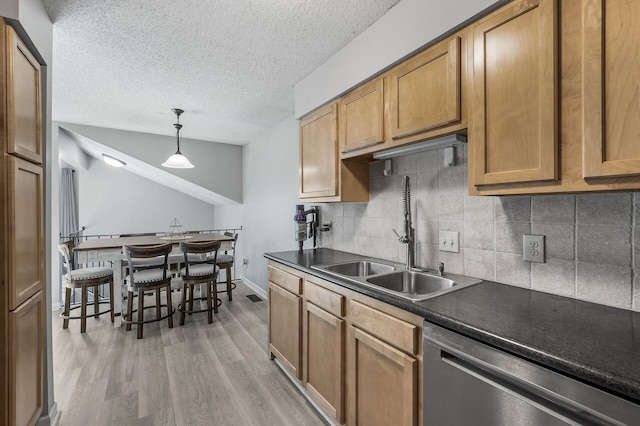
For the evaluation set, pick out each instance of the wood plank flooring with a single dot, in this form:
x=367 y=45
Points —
x=196 y=374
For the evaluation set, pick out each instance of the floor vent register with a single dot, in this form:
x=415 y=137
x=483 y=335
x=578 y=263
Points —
x=254 y=298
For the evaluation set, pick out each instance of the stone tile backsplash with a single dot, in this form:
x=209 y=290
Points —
x=592 y=243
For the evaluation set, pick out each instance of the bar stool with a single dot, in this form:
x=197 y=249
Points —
x=83 y=279
x=199 y=269
x=144 y=277
x=225 y=261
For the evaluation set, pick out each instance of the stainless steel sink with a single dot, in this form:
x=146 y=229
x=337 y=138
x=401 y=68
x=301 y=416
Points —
x=388 y=278
x=412 y=283
x=359 y=268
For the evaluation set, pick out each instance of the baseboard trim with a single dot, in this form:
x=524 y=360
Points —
x=50 y=419
x=253 y=286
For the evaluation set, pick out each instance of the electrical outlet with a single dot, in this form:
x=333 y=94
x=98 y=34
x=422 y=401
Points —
x=449 y=241
x=533 y=248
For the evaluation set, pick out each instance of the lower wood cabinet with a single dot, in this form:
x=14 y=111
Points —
x=382 y=368
x=285 y=320
x=358 y=358
x=324 y=378
x=384 y=383
x=26 y=356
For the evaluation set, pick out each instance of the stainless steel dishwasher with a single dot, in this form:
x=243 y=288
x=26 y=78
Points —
x=470 y=383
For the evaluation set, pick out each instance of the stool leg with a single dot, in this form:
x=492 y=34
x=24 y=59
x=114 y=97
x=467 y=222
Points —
x=184 y=302
x=228 y=273
x=67 y=303
x=158 y=308
x=83 y=310
x=129 y=310
x=169 y=307
x=140 y=311
x=96 y=302
x=191 y=288
x=215 y=296
x=209 y=305
x=111 y=300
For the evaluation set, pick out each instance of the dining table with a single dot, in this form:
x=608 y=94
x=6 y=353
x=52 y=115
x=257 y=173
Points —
x=110 y=250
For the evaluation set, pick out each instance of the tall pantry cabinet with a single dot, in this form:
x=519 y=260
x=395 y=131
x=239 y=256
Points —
x=22 y=279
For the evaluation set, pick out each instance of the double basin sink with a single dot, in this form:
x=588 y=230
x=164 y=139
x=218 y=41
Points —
x=413 y=285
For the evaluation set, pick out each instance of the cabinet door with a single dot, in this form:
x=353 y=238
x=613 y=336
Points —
x=26 y=354
x=424 y=92
x=325 y=360
x=319 y=154
x=385 y=382
x=24 y=134
x=611 y=87
x=26 y=235
x=285 y=314
x=361 y=118
x=513 y=135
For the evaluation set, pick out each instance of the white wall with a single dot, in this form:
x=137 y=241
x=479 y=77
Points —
x=114 y=201
x=406 y=27
x=270 y=195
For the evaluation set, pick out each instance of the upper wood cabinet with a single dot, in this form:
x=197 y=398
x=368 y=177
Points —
x=362 y=118
x=513 y=135
x=424 y=91
x=323 y=176
x=611 y=88
x=319 y=153
x=24 y=131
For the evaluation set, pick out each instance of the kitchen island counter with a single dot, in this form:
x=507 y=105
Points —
x=596 y=344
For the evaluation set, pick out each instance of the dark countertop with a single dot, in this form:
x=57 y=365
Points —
x=593 y=343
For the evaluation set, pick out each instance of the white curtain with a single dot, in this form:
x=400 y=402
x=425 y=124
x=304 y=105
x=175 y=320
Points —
x=68 y=204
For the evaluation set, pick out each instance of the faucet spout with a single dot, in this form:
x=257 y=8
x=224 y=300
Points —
x=409 y=233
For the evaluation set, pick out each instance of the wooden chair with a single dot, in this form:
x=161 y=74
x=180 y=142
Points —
x=225 y=261
x=144 y=277
x=83 y=279
x=199 y=269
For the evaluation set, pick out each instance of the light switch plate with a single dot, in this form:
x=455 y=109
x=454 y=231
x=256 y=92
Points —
x=533 y=248
x=449 y=241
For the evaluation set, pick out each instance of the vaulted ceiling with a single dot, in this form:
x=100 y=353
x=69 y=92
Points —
x=230 y=64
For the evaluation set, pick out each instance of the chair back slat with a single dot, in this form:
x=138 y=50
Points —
x=66 y=250
x=148 y=252
x=202 y=248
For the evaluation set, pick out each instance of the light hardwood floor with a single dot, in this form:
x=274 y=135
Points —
x=196 y=374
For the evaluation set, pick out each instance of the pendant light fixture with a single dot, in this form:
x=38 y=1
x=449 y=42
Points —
x=177 y=160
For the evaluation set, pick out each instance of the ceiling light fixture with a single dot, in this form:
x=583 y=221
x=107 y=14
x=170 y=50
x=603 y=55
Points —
x=113 y=161
x=177 y=160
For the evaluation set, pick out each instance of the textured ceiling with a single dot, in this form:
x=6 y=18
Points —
x=230 y=64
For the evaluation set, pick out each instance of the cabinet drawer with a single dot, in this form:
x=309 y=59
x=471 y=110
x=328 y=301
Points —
x=390 y=329
x=325 y=299
x=285 y=280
